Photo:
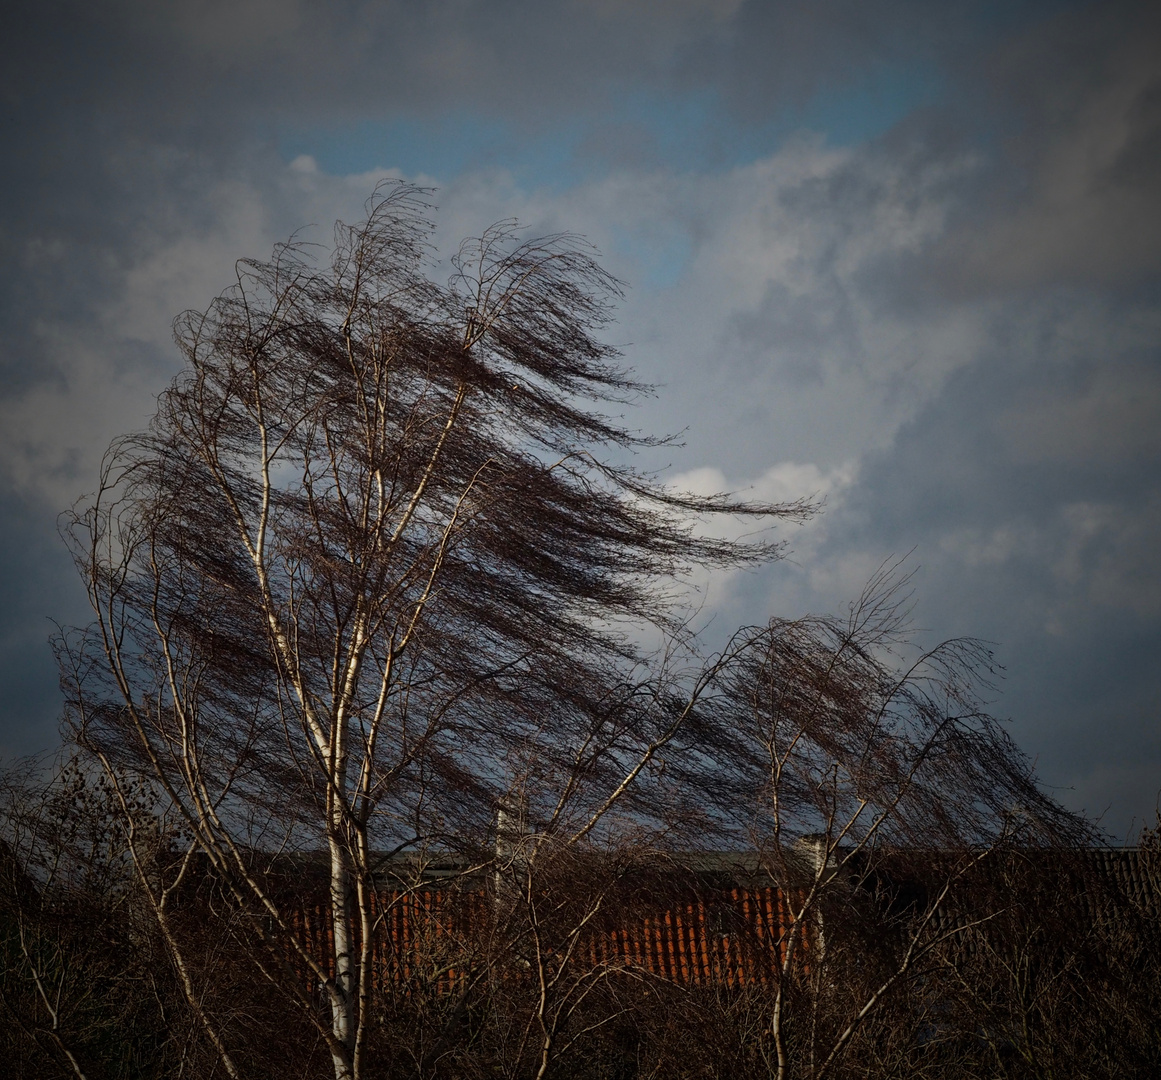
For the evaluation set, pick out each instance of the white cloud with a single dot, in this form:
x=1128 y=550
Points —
x=739 y=595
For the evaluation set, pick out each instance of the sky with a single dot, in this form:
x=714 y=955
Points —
x=902 y=257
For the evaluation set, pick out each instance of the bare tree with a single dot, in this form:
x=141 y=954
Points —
x=874 y=784
x=373 y=554
x=374 y=572
x=1064 y=977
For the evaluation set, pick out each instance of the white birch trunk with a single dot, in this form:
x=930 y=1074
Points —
x=342 y=990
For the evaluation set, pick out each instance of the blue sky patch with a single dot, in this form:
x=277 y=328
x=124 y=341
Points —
x=692 y=132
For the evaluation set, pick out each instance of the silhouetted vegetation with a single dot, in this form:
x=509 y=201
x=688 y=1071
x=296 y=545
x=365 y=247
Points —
x=370 y=776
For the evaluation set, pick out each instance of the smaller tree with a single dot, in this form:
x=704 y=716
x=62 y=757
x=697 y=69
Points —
x=1066 y=971
x=84 y=991
x=874 y=784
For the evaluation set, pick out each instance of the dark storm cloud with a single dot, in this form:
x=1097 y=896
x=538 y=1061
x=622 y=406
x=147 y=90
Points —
x=945 y=317
x=1031 y=483
x=1027 y=477
x=37 y=582
x=1076 y=114
x=522 y=56
x=166 y=63
x=1034 y=477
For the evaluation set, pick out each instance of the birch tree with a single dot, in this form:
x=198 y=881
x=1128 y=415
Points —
x=877 y=783
x=375 y=545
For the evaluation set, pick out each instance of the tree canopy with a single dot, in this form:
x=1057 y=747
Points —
x=378 y=570
x=373 y=558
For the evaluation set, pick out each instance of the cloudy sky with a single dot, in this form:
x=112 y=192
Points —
x=902 y=256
